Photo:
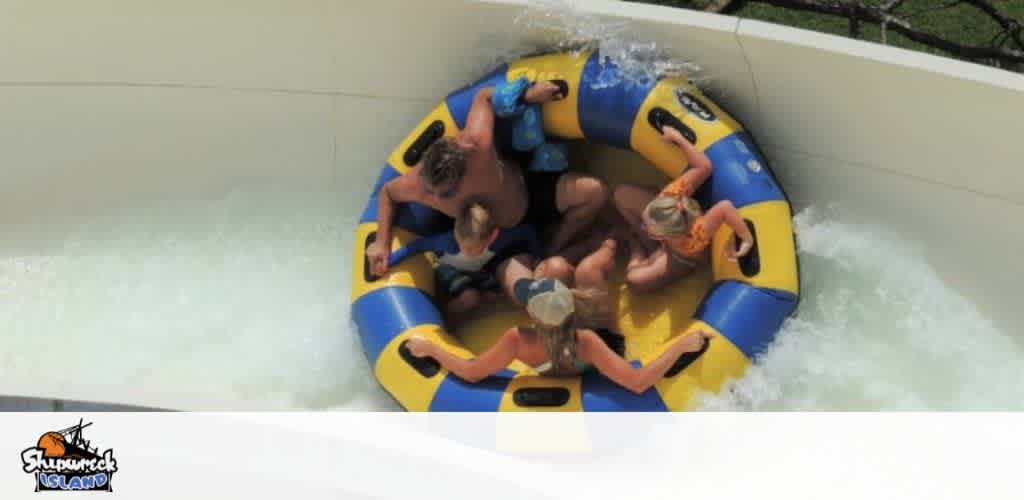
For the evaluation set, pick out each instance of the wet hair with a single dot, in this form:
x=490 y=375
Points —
x=670 y=215
x=474 y=223
x=444 y=162
x=591 y=311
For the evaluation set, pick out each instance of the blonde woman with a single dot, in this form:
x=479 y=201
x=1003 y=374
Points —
x=668 y=233
x=561 y=341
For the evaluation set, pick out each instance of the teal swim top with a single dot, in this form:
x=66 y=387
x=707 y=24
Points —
x=613 y=340
x=577 y=363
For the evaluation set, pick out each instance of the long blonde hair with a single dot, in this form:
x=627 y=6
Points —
x=671 y=216
x=592 y=310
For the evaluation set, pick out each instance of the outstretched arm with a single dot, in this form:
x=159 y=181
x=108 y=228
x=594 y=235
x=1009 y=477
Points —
x=725 y=212
x=480 y=120
x=699 y=164
x=439 y=244
x=492 y=361
x=593 y=350
x=399 y=190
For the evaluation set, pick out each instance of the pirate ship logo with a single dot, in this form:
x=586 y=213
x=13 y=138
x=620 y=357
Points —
x=65 y=461
x=694 y=105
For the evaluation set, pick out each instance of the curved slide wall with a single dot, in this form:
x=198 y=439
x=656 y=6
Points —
x=105 y=106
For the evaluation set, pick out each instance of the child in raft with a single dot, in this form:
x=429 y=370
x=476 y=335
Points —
x=468 y=254
x=561 y=342
x=668 y=232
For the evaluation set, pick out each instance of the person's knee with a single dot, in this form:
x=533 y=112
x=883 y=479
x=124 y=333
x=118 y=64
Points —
x=595 y=192
x=588 y=273
x=516 y=267
x=622 y=196
x=555 y=267
x=600 y=259
x=639 y=282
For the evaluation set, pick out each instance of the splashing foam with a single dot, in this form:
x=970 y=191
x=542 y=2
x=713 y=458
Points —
x=229 y=304
x=556 y=26
x=877 y=330
x=241 y=303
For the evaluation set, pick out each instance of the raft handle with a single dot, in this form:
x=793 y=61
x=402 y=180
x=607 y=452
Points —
x=659 y=117
x=563 y=88
x=541 y=396
x=367 y=275
x=750 y=264
x=426 y=366
x=432 y=133
x=686 y=360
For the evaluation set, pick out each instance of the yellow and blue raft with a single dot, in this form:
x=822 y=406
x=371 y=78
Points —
x=742 y=303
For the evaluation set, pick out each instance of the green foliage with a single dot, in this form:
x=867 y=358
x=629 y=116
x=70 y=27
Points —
x=960 y=23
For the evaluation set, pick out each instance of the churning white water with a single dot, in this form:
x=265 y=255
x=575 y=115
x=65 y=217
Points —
x=235 y=303
x=878 y=329
x=243 y=303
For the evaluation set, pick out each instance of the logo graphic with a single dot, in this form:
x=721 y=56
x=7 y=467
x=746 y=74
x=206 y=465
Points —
x=65 y=461
x=694 y=105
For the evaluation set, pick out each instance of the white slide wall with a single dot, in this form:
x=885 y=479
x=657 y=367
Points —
x=106 y=105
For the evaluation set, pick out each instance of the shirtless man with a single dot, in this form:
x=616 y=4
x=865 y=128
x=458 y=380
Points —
x=454 y=169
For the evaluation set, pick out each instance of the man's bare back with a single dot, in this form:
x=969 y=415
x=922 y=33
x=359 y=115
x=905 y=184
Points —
x=497 y=182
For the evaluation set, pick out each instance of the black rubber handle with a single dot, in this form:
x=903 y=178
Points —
x=750 y=264
x=425 y=366
x=433 y=132
x=563 y=88
x=686 y=360
x=541 y=397
x=659 y=117
x=368 y=276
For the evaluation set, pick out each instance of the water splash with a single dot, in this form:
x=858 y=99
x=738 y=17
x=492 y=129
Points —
x=242 y=303
x=877 y=329
x=547 y=26
x=234 y=303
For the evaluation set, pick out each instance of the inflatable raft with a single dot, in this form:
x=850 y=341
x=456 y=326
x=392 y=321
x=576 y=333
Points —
x=743 y=303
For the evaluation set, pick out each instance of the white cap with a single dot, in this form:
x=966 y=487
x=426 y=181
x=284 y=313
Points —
x=550 y=302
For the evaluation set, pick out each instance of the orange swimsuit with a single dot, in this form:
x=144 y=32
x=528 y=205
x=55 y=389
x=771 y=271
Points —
x=691 y=246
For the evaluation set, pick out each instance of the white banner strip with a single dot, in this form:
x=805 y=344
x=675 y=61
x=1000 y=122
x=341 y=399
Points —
x=473 y=456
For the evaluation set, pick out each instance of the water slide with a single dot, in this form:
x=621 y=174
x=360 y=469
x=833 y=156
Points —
x=181 y=180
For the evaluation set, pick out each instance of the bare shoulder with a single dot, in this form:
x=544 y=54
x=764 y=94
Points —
x=512 y=339
x=405 y=187
x=479 y=156
x=587 y=340
x=525 y=336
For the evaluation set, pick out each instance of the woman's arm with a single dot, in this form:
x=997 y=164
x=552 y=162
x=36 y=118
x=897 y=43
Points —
x=593 y=350
x=492 y=361
x=700 y=164
x=725 y=212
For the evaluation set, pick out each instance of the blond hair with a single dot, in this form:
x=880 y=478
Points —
x=474 y=223
x=671 y=216
x=591 y=311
